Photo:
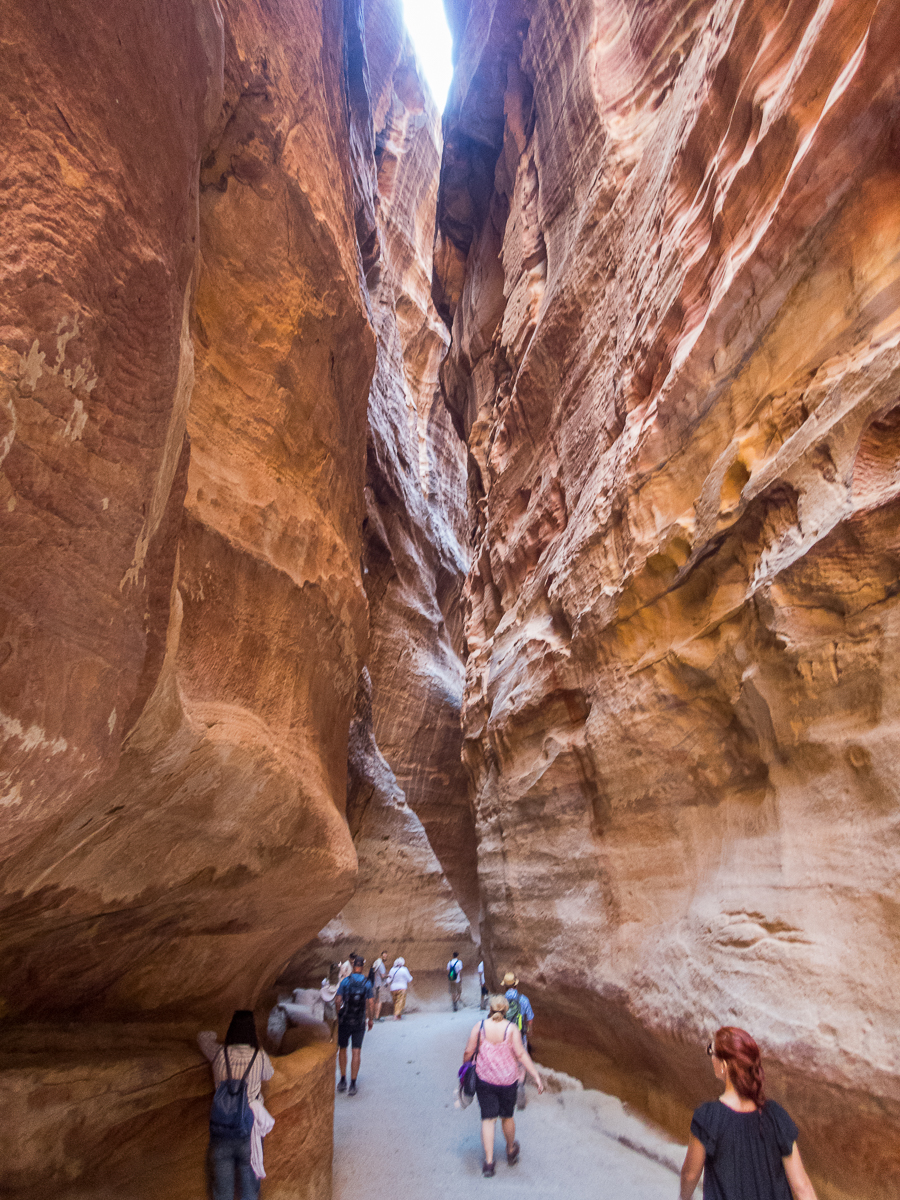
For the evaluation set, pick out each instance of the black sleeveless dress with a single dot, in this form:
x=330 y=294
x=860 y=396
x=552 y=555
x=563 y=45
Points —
x=744 y=1151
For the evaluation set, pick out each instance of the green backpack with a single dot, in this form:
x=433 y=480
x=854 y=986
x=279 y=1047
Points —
x=514 y=1013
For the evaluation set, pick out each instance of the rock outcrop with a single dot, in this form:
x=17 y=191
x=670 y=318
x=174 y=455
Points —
x=201 y=277
x=403 y=903
x=669 y=251
x=406 y=774
x=124 y=1111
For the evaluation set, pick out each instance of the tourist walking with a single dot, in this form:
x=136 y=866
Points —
x=519 y=1009
x=484 y=992
x=399 y=980
x=498 y=1050
x=744 y=1144
x=379 y=978
x=234 y=1157
x=454 y=978
x=355 y=1006
x=327 y=993
x=346 y=967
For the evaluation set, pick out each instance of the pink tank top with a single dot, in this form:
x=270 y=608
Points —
x=496 y=1062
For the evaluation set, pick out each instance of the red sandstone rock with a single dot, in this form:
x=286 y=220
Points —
x=679 y=385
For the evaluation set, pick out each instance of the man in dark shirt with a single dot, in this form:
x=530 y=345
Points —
x=355 y=1004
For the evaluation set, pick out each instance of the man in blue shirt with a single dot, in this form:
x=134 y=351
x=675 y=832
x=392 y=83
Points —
x=520 y=1011
x=355 y=1000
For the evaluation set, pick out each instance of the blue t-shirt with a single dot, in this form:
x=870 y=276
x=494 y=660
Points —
x=524 y=1003
x=344 y=987
x=744 y=1151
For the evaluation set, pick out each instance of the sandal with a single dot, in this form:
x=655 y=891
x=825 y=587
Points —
x=487 y=1170
x=512 y=1155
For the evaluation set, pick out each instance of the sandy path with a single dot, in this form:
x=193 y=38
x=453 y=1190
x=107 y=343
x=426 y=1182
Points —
x=401 y=1135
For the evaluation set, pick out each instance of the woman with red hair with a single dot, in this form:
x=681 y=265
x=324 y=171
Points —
x=746 y=1144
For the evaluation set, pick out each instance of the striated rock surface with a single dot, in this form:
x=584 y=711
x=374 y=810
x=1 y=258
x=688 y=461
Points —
x=669 y=250
x=403 y=902
x=97 y=1096
x=192 y=203
x=406 y=775
x=203 y=832
x=415 y=556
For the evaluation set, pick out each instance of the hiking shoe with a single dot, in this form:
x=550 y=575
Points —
x=512 y=1155
x=351 y=1091
x=487 y=1170
x=342 y=1085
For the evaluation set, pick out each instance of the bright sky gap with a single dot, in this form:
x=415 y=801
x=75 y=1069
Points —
x=427 y=25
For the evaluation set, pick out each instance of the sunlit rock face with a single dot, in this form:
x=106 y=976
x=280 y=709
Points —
x=185 y=634
x=415 y=555
x=669 y=251
x=406 y=775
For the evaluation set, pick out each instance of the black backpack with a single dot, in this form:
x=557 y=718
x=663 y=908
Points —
x=353 y=1010
x=231 y=1115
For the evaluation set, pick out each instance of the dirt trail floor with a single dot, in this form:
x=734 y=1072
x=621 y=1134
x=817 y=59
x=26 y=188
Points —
x=402 y=1136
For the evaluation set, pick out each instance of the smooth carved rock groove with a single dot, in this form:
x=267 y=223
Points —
x=668 y=249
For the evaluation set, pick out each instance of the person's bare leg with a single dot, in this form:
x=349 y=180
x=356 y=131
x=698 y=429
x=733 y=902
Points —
x=342 y=1060
x=509 y=1131
x=354 y=1067
x=487 y=1139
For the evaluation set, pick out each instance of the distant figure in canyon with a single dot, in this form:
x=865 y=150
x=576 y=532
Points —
x=346 y=967
x=746 y=1143
x=399 y=980
x=484 y=992
x=235 y=1155
x=327 y=994
x=355 y=1004
x=519 y=1009
x=499 y=1052
x=454 y=978
x=379 y=977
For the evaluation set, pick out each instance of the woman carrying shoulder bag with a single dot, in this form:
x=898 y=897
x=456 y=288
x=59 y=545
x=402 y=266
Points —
x=500 y=1051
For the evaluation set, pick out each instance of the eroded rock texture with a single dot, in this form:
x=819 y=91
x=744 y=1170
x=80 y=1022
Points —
x=406 y=771
x=669 y=250
x=403 y=903
x=199 y=827
x=415 y=557
x=192 y=203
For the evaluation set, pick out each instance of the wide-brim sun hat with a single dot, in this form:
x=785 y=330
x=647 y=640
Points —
x=510 y=980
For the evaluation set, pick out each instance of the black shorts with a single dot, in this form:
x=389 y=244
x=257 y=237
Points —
x=347 y=1033
x=496 y=1100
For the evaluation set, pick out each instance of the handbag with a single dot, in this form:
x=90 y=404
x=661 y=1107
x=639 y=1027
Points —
x=467 y=1075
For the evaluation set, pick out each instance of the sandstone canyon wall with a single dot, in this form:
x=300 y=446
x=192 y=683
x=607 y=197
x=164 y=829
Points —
x=193 y=314
x=669 y=249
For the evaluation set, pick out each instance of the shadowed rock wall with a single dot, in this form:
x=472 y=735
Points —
x=668 y=248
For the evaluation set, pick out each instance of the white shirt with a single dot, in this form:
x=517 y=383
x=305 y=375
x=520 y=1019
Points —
x=481 y=973
x=399 y=978
x=455 y=962
x=380 y=972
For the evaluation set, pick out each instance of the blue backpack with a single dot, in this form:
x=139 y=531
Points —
x=231 y=1115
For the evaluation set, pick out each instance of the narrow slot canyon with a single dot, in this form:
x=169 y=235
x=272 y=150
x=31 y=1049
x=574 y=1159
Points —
x=470 y=530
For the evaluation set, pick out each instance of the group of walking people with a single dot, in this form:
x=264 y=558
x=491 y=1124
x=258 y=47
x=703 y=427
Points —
x=743 y=1144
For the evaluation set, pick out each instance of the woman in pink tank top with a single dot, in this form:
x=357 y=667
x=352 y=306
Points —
x=496 y=1045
